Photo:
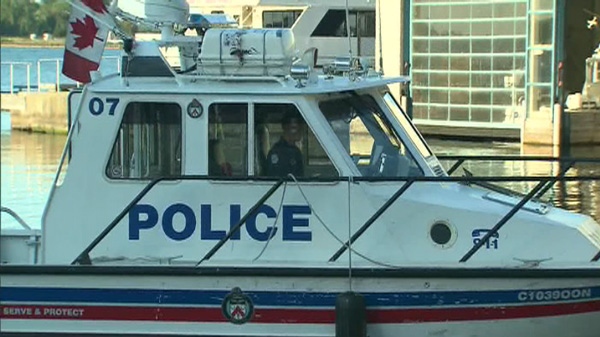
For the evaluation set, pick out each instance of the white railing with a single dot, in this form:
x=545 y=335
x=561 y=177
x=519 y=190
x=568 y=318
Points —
x=11 y=66
x=56 y=62
x=15 y=216
x=39 y=72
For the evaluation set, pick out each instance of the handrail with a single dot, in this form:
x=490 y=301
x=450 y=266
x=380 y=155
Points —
x=518 y=158
x=83 y=257
x=533 y=193
x=501 y=189
x=371 y=220
x=15 y=63
x=460 y=159
x=232 y=78
x=457 y=179
x=39 y=72
x=11 y=74
x=512 y=212
x=39 y=62
x=240 y=223
x=456 y=165
x=545 y=189
x=15 y=216
x=503 y=221
x=596 y=258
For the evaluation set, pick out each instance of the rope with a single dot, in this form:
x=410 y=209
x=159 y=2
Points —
x=274 y=227
x=350 y=249
x=349 y=240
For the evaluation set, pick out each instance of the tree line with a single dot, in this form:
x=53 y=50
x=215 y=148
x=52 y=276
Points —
x=20 y=18
x=24 y=17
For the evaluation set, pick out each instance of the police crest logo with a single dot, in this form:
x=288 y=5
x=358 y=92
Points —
x=194 y=109
x=237 y=307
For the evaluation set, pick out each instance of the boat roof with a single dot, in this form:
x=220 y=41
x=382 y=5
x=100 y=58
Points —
x=182 y=84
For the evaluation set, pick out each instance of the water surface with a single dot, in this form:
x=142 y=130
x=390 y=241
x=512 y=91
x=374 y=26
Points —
x=28 y=165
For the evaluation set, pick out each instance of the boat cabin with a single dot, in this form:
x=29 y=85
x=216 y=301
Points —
x=248 y=192
x=248 y=154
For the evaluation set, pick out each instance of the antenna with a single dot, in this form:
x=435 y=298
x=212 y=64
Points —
x=348 y=31
x=380 y=37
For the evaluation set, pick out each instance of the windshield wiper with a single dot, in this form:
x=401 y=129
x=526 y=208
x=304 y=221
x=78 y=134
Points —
x=490 y=186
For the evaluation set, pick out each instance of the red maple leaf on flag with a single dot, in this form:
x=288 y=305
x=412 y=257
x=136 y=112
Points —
x=95 y=5
x=86 y=31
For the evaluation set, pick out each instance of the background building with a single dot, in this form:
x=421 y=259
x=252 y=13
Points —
x=488 y=62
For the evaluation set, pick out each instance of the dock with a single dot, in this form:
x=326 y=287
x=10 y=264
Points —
x=34 y=105
x=469 y=130
x=44 y=112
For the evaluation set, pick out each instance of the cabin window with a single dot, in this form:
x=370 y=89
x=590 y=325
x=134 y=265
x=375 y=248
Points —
x=280 y=19
x=285 y=144
x=368 y=137
x=228 y=140
x=333 y=24
x=148 y=143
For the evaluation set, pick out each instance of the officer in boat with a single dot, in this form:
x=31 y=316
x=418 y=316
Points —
x=217 y=165
x=285 y=157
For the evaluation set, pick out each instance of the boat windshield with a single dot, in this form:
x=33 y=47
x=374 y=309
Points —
x=368 y=137
x=407 y=125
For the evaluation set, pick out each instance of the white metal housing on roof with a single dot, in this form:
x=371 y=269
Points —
x=225 y=61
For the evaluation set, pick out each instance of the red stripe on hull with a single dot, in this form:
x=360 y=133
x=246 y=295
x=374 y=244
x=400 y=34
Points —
x=292 y=316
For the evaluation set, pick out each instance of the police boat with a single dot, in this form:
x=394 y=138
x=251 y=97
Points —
x=249 y=193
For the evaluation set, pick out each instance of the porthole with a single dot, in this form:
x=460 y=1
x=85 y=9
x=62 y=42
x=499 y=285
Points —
x=442 y=234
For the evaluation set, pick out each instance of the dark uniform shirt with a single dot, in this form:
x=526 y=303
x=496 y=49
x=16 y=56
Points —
x=284 y=158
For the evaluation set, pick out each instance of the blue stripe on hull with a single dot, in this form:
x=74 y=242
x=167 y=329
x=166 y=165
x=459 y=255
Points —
x=293 y=299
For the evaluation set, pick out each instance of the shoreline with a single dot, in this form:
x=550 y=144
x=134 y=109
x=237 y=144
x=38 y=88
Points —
x=58 y=43
x=50 y=46
x=31 y=46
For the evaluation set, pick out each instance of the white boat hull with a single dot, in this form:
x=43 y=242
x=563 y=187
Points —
x=295 y=302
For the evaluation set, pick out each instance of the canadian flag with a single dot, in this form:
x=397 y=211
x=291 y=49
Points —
x=87 y=33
